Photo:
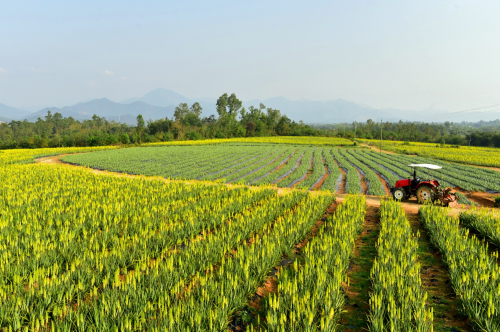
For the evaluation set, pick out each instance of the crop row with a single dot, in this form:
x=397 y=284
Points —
x=300 y=172
x=375 y=186
x=318 y=171
x=398 y=300
x=484 y=221
x=309 y=293
x=475 y=274
x=353 y=182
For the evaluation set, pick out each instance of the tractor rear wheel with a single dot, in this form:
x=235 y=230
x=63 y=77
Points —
x=424 y=194
x=398 y=194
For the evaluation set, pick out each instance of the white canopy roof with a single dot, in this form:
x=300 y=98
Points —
x=429 y=166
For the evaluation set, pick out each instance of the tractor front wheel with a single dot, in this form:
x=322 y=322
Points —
x=424 y=194
x=398 y=194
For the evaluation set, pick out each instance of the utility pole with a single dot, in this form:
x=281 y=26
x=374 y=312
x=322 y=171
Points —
x=355 y=124
x=380 y=135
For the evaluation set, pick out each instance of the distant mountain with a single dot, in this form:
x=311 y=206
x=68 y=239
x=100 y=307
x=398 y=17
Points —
x=164 y=97
x=125 y=113
x=11 y=113
x=161 y=103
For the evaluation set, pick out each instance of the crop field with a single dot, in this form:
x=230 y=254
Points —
x=470 y=155
x=333 y=169
x=84 y=250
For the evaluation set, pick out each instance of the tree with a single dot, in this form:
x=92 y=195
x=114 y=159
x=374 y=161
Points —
x=125 y=138
x=233 y=104
x=140 y=127
x=181 y=111
x=250 y=127
x=221 y=105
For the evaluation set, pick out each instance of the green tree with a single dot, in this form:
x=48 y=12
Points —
x=233 y=104
x=140 y=127
x=221 y=105
x=125 y=138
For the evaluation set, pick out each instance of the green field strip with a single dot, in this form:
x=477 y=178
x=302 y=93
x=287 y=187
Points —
x=309 y=292
x=467 y=178
x=485 y=221
x=240 y=275
x=276 y=176
x=318 y=172
x=330 y=182
x=265 y=171
x=237 y=176
x=474 y=273
x=105 y=234
x=390 y=177
x=229 y=169
x=95 y=273
x=169 y=278
x=266 y=167
x=452 y=175
x=207 y=164
x=299 y=172
x=397 y=300
x=353 y=181
x=375 y=186
x=402 y=165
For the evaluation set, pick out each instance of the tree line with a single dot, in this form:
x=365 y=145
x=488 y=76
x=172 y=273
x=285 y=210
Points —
x=482 y=133
x=187 y=123
x=232 y=120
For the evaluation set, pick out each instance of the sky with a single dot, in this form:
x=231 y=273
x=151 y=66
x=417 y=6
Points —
x=409 y=55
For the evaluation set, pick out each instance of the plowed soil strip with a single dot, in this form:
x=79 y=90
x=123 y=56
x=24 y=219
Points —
x=342 y=183
x=435 y=278
x=292 y=170
x=254 y=312
x=356 y=310
x=323 y=179
x=384 y=184
x=308 y=173
x=364 y=185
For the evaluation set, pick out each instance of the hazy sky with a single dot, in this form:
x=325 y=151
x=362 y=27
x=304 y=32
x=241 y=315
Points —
x=401 y=54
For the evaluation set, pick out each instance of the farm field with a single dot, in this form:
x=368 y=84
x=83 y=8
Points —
x=333 y=169
x=87 y=250
x=470 y=155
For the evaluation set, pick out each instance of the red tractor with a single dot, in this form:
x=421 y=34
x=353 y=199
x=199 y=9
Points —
x=424 y=190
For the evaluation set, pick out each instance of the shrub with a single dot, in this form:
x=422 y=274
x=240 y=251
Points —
x=497 y=201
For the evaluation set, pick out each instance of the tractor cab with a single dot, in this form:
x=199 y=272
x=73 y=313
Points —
x=416 y=186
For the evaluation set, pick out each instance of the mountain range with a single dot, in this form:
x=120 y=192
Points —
x=161 y=103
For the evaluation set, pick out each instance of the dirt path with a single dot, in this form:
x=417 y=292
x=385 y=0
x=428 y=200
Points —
x=375 y=149
x=356 y=309
x=384 y=184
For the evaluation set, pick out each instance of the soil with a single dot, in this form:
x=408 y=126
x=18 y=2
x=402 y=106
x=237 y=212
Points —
x=355 y=312
x=384 y=184
x=323 y=179
x=364 y=185
x=482 y=198
x=376 y=149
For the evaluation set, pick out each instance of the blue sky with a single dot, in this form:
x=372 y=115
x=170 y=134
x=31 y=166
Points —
x=401 y=54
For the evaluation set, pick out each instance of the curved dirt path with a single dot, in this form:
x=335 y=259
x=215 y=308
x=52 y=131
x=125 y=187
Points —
x=411 y=206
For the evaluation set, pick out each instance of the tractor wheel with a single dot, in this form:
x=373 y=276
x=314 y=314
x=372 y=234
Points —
x=398 y=194
x=424 y=194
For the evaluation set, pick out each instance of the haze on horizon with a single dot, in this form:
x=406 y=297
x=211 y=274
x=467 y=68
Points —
x=399 y=54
